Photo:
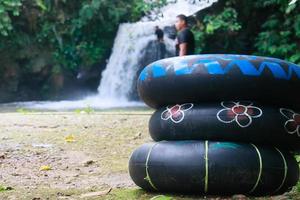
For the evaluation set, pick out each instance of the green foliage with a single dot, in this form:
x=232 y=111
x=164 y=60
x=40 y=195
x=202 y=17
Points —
x=8 y=8
x=77 y=34
x=225 y=21
x=280 y=35
x=87 y=110
x=23 y=111
x=263 y=27
x=223 y=25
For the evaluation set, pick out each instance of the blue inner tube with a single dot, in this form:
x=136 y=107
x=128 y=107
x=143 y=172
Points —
x=206 y=78
x=220 y=168
x=228 y=121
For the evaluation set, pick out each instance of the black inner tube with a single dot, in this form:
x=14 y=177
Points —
x=228 y=121
x=220 y=168
x=206 y=78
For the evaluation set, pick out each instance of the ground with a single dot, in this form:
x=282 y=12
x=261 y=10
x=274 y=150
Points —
x=80 y=154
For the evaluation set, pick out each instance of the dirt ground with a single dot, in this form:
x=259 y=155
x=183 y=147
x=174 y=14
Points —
x=86 y=154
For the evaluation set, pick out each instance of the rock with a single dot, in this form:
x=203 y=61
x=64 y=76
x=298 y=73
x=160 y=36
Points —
x=87 y=163
x=137 y=136
x=6 y=138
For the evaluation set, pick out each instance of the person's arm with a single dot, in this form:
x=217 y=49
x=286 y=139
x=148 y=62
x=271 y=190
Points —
x=182 y=49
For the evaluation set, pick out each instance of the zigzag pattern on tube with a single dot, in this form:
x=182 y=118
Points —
x=207 y=78
x=214 y=67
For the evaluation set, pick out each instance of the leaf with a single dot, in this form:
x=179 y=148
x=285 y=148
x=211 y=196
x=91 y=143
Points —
x=292 y=2
x=295 y=58
x=5 y=188
x=41 y=4
x=16 y=13
x=161 y=197
x=45 y=168
x=70 y=138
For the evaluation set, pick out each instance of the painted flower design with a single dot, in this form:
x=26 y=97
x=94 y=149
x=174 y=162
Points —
x=240 y=112
x=176 y=112
x=292 y=125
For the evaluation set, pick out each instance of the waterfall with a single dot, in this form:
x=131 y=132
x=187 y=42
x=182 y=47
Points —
x=131 y=40
x=124 y=61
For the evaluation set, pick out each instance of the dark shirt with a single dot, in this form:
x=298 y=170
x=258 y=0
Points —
x=159 y=33
x=186 y=36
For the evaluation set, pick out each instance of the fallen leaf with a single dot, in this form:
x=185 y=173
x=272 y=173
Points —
x=70 y=138
x=95 y=194
x=45 y=168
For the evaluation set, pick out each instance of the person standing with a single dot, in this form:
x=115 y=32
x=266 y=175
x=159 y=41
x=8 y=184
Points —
x=160 y=45
x=185 y=42
x=159 y=34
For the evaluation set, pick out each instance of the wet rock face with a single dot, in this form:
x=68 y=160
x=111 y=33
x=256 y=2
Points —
x=154 y=51
x=9 y=79
x=27 y=75
x=90 y=76
x=30 y=74
x=24 y=75
x=170 y=32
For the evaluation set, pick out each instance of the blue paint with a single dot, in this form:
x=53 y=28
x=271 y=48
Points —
x=245 y=66
x=294 y=68
x=184 y=69
x=213 y=67
x=158 y=70
x=144 y=74
x=275 y=68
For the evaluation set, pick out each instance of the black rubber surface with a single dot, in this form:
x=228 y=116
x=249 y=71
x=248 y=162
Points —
x=228 y=121
x=210 y=78
x=219 y=168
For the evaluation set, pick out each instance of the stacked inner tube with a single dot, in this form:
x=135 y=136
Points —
x=224 y=124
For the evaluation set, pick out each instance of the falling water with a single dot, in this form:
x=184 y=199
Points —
x=131 y=40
